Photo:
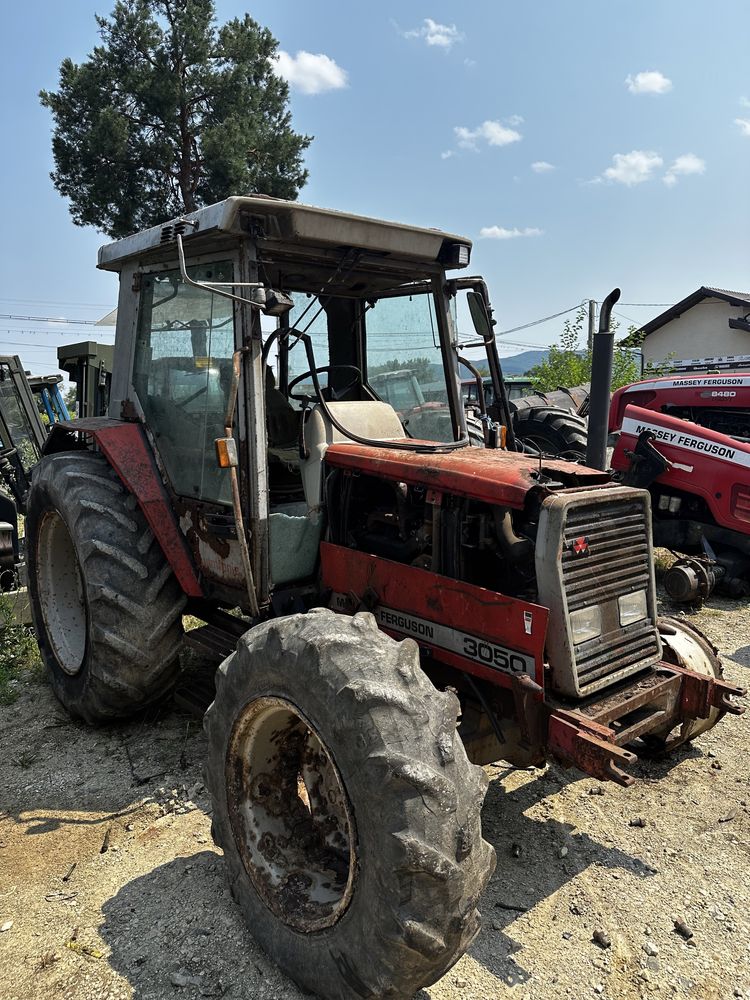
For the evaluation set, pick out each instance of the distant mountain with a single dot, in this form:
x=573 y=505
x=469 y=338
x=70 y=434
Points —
x=519 y=364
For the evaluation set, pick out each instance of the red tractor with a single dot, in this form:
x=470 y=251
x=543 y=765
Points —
x=384 y=587
x=686 y=438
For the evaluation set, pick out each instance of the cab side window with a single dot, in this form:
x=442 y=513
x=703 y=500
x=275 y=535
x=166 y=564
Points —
x=182 y=374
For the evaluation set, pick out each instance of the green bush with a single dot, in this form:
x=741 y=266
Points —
x=569 y=364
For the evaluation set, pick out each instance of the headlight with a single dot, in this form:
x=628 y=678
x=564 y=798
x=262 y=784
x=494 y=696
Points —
x=586 y=624
x=633 y=607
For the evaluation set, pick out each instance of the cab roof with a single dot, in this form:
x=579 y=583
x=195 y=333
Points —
x=277 y=223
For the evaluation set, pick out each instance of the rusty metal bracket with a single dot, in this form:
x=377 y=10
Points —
x=701 y=693
x=531 y=712
x=577 y=742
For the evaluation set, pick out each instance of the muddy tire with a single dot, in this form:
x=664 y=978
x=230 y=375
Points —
x=106 y=607
x=554 y=432
x=346 y=808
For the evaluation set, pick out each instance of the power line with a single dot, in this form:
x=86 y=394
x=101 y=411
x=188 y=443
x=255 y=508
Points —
x=536 y=322
x=66 y=334
x=41 y=331
x=56 y=302
x=29 y=347
x=628 y=318
x=51 y=319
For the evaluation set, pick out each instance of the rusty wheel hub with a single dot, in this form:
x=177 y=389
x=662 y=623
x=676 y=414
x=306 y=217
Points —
x=290 y=815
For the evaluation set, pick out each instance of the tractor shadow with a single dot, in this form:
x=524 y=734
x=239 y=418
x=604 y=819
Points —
x=536 y=856
x=178 y=924
x=740 y=656
x=59 y=772
x=178 y=927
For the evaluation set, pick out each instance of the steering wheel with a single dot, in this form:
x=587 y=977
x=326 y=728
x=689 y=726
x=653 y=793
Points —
x=335 y=394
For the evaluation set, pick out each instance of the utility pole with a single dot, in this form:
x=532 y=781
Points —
x=592 y=324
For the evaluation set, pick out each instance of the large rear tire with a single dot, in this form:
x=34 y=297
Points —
x=346 y=808
x=554 y=432
x=106 y=607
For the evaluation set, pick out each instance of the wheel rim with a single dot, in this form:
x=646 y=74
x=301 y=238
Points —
x=290 y=815
x=60 y=592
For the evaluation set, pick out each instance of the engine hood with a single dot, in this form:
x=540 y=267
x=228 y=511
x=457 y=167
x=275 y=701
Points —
x=498 y=477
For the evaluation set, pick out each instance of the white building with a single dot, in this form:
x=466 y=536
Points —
x=707 y=330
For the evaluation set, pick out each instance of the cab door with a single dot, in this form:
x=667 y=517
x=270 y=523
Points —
x=185 y=339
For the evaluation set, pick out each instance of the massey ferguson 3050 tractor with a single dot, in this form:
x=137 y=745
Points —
x=390 y=585
x=686 y=438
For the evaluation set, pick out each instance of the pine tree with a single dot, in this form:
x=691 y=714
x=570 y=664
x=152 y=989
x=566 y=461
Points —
x=170 y=113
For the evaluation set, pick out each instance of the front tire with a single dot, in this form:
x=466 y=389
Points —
x=106 y=607
x=345 y=805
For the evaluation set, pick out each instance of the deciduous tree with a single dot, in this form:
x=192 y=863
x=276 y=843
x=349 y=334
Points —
x=568 y=364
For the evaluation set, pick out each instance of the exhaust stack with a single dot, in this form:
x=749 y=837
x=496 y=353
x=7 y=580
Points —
x=601 y=379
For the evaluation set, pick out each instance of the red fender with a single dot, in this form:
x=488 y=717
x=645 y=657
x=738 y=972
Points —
x=127 y=450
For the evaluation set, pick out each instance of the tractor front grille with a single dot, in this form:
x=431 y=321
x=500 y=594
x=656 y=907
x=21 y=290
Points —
x=618 y=562
x=618 y=552
x=605 y=552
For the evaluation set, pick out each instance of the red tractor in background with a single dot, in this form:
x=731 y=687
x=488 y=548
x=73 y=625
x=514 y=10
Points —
x=686 y=438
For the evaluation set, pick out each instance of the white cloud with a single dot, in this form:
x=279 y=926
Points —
x=309 y=73
x=494 y=133
x=633 y=168
x=649 y=82
x=500 y=233
x=683 y=166
x=442 y=36
x=743 y=124
x=745 y=103
x=447 y=154
x=542 y=167
x=514 y=120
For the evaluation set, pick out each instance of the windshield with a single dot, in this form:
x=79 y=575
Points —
x=405 y=364
x=388 y=348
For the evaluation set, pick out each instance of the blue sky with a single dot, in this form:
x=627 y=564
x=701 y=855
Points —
x=636 y=114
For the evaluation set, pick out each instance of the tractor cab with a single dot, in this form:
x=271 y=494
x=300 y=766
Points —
x=314 y=310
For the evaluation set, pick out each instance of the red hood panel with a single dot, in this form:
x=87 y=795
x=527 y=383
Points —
x=496 y=477
x=703 y=462
x=730 y=389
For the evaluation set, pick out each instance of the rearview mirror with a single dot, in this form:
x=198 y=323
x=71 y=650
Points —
x=479 y=315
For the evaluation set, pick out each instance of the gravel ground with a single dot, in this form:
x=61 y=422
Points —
x=110 y=886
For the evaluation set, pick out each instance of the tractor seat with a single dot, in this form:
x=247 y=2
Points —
x=295 y=529
x=369 y=418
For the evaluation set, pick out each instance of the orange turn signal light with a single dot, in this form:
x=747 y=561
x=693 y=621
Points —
x=226 y=453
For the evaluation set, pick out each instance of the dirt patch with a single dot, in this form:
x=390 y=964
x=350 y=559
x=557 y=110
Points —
x=114 y=889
